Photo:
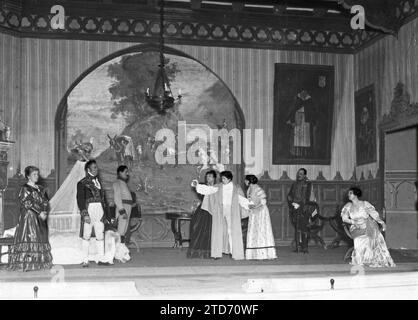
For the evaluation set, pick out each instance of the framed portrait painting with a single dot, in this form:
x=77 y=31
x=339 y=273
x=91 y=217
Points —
x=365 y=121
x=303 y=114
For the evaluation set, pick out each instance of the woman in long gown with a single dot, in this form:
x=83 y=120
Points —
x=64 y=217
x=260 y=239
x=369 y=245
x=31 y=249
x=201 y=227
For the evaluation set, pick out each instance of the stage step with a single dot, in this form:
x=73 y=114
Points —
x=69 y=290
x=348 y=282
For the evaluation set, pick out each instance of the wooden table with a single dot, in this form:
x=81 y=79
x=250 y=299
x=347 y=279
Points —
x=176 y=219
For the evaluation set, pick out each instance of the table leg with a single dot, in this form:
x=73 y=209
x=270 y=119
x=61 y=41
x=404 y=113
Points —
x=180 y=238
x=173 y=229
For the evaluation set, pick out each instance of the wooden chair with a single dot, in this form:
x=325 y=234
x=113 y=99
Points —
x=314 y=227
x=343 y=233
x=349 y=252
x=337 y=225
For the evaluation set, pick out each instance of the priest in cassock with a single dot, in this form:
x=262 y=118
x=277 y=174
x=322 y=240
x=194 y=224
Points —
x=224 y=206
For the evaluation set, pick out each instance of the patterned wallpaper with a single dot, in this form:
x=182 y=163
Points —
x=385 y=63
x=48 y=68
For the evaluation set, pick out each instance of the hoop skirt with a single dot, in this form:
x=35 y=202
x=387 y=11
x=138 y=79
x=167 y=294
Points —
x=31 y=249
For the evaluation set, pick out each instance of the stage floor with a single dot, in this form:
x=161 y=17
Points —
x=166 y=273
x=169 y=261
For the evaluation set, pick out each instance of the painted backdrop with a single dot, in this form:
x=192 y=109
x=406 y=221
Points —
x=107 y=110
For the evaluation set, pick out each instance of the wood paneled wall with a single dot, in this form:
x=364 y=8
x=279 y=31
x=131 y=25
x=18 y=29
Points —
x=330 y=195
x=49 y=67
x=385 y=63
x=156 y=230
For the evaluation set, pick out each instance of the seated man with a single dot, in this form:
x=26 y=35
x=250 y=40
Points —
x=302 y=207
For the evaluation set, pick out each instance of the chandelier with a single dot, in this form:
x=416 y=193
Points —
x=161 y=98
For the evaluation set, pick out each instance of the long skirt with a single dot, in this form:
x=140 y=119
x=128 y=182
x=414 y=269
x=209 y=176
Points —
x=370 y=247
x=260 y=239
x=200 y=234
x=31 y=249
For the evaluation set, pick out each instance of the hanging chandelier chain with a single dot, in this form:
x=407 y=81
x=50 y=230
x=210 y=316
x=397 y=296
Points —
x=166 y=100
x=162 y=33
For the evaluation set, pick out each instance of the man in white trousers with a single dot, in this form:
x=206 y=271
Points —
x=91 y=202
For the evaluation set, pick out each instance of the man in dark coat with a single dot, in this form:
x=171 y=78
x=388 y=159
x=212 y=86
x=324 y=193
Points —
x=302 y=207
x=92 y=203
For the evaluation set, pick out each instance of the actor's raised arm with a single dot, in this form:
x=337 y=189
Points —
x=204 y=189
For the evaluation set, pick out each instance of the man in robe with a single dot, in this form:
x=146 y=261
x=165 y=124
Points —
x=302 y=207
x=222 y=202
x=122 y=197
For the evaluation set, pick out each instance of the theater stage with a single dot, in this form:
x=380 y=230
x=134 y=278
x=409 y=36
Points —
x=166 y=273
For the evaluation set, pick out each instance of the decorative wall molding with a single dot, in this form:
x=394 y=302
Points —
x=186 y=26
x=402 y=112
x=320 y=177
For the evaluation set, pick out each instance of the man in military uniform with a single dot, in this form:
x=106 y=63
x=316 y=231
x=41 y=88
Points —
x=92 y=203
x=302 y=207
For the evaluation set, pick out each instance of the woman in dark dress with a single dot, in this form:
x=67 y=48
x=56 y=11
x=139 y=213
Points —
x=201 y=227
x=31 y=249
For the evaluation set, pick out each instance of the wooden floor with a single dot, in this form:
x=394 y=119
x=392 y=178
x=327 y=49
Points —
x=166 y=273
x=171 y=261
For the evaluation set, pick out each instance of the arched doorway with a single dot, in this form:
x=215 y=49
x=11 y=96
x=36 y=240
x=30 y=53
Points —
x=107 y=101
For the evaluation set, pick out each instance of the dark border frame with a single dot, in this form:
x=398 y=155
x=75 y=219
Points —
x=365 y=90
x=276 y=160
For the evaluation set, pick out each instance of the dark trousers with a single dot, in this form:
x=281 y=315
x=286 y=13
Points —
x=300 y=221
x=244 y=227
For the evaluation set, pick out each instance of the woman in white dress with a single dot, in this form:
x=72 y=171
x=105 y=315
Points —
x=369 y=245
x=260 y=239
x=64 y=217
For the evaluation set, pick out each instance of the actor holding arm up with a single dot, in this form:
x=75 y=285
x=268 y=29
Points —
x=226 y=235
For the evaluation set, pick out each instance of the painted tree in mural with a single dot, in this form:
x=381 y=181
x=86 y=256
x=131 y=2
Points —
x=133 y=74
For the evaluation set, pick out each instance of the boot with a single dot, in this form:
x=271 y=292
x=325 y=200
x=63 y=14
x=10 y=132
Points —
x=304 y=242
x=85 y=244
x=101 y=253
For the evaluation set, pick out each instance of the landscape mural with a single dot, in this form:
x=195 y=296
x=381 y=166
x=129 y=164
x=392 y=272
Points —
x=107 y=110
